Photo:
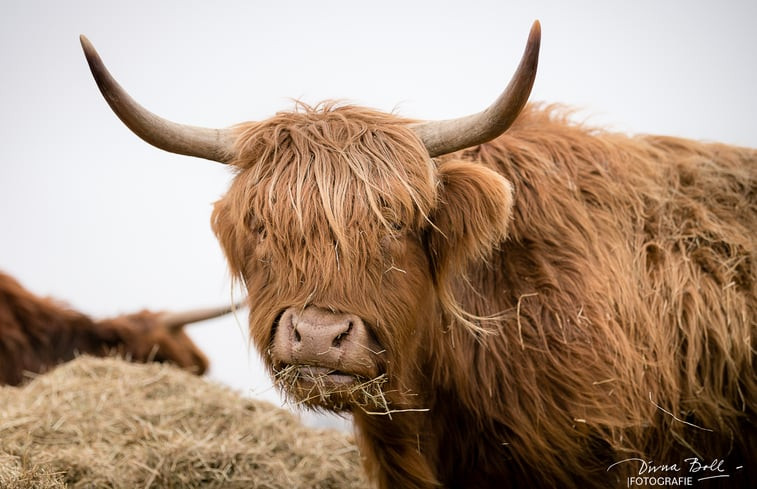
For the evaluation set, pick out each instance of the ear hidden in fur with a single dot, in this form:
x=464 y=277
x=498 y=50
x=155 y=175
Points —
x=471 y=217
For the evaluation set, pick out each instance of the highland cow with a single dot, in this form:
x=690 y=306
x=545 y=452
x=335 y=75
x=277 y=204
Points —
x=506 y=299
x=38 y=333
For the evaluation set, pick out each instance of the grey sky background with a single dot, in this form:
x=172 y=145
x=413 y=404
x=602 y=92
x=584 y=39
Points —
x=92 y=215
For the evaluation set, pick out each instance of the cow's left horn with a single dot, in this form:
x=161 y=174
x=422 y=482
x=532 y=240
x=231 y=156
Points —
x=211 y=144
x=442 y=137
x=176 y=320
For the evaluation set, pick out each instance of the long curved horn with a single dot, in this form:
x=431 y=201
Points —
x=442 y=137
x=211 y=144
x=176 y=320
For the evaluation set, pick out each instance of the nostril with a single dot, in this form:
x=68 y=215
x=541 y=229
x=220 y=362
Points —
x=297 y=336
x=341 y=336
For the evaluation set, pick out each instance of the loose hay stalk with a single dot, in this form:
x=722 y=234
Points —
x=105 y=423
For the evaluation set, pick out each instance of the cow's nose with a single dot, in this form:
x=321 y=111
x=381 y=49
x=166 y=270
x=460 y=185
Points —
x=316 y=335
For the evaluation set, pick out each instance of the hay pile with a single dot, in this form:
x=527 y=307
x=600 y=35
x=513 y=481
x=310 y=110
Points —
x=105 y=423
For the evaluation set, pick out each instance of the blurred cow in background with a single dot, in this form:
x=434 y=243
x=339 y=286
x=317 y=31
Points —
x=38 y=333
x=544 y=307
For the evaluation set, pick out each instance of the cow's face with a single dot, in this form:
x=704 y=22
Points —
x=346 y=234
x=148 y=336
x=345 y=231
x=145 y=337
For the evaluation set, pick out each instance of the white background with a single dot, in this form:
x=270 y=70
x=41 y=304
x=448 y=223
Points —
x=92 y=215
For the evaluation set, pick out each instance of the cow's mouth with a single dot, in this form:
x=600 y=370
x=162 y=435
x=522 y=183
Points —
x=290 y=375
x=337 y=390
x=309 y=373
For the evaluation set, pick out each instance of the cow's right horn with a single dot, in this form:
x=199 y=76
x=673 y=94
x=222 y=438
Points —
x=442 y=137
x=211 y=144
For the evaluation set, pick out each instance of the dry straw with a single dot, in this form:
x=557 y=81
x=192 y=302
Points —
x=105 y=423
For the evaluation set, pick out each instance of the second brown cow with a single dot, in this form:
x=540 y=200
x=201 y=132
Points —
x=37 y=333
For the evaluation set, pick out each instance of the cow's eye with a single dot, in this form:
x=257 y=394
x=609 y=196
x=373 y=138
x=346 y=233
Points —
x=260 y=230
x=393 y=236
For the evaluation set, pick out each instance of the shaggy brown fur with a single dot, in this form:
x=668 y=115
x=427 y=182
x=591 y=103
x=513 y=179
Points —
x=558 y=300
x=38 y=333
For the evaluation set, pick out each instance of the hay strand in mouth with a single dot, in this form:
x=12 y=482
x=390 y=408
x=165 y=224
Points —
x=314 y=387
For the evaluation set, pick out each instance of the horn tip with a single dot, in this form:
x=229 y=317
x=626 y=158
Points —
x=85 y=43
x=535 y=33
x=90 y=53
